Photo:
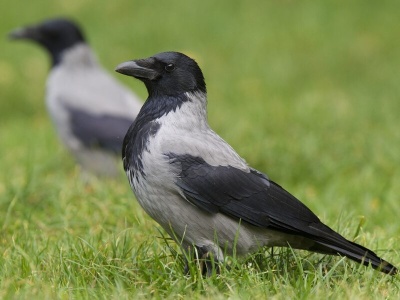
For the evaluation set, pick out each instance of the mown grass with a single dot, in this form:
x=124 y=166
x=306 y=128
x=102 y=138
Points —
x=306 y=91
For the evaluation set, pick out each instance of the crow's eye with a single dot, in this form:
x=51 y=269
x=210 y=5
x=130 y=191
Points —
x=169 y=67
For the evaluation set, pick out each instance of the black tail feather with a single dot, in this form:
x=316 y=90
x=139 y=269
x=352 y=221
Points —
x=330 y=242
x=359 y=254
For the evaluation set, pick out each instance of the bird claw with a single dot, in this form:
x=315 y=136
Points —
x=206 y=261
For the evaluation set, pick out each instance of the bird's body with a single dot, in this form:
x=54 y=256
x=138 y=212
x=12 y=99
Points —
x=91 y=111
x=93 y=133
x=158 y=194
x=198 y=188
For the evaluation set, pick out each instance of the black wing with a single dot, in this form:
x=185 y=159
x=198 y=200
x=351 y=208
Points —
x=250 y=196
x=103 y=131
x=253 y=198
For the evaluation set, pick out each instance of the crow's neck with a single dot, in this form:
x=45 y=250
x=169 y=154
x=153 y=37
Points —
x=76 y=56
x=189 y=107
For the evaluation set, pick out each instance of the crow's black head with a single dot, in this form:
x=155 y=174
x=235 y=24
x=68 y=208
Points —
x=166 y=74
x=55 y=35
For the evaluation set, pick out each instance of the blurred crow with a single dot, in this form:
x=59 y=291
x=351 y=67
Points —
x=198 y=188
x=90 y=109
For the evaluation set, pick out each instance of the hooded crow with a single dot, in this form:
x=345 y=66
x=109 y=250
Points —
x=89 y=108
x=198 y=188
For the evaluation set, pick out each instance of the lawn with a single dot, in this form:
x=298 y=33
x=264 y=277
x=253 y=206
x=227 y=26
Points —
x=306 y=91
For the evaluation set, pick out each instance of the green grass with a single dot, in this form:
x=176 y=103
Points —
x=306 y=91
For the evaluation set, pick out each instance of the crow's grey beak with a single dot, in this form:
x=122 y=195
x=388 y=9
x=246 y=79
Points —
x=137 y=68
x=23 y=33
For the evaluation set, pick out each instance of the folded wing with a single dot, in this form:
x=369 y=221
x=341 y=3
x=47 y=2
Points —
x=253 y=198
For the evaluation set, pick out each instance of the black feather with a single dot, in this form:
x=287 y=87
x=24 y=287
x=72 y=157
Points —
x=102 y=131
x=254 y=199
